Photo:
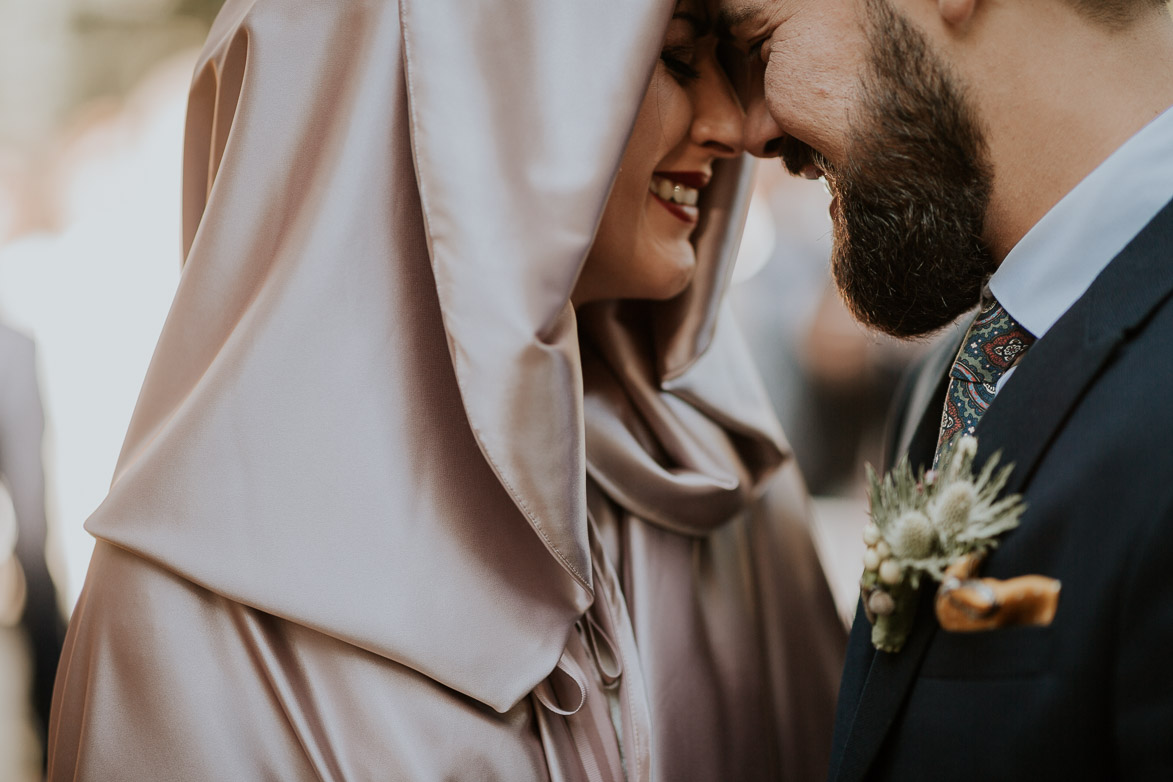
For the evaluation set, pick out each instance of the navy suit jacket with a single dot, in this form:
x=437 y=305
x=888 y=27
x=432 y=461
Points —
x=1087 y=420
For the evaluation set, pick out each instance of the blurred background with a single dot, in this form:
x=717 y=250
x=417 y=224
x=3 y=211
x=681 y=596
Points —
x=92 y=101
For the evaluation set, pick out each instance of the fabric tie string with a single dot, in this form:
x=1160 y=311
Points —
x=992 y=346
x=604 y=644
x=567 y=671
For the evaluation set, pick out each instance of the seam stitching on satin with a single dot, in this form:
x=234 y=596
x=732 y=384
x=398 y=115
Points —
x=535 y=524
x=525 y=509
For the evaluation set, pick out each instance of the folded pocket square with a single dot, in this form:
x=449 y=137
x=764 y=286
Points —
x=966 y=604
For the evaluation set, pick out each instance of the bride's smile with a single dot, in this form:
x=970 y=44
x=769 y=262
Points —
x=690 y=118
x=679 y=192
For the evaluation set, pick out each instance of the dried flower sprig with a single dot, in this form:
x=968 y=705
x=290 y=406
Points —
x=921 y=524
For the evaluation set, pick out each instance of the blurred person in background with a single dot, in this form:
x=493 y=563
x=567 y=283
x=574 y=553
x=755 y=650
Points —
x=429 y=478
x=22 y=427
x=830 y=379
x=21 y=754
x=84 y=217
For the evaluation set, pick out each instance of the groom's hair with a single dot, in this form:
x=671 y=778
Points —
x=1118 y=14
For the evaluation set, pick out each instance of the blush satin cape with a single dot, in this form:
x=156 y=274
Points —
x=348 y=534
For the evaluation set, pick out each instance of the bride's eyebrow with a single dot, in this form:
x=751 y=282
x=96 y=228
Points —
x=700 y=27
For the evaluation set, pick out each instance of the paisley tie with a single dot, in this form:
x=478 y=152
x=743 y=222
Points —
x=993 y=344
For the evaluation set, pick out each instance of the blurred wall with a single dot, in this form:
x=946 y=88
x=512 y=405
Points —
x=57 y=54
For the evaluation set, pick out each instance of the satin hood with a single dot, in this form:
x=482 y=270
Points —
x=365 y=413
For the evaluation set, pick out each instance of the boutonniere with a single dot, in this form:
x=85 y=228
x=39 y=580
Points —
x=924 y=523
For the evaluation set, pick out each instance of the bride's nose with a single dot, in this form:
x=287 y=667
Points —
x=717 y=123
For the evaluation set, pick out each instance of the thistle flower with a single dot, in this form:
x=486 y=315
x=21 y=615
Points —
x=952 y=508
x=912 y=536
x=921 y=524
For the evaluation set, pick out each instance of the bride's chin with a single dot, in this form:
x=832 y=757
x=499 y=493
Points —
x=670 y=275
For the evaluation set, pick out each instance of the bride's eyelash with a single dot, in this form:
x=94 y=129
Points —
x=678 y=60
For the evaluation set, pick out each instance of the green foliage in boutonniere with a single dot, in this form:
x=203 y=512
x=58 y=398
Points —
x=920 y=525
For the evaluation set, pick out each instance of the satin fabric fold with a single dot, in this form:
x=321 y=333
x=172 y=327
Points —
x=309 y=286
x=351 y=534
x=699 y=510
x=687 y=454
x=526 y=88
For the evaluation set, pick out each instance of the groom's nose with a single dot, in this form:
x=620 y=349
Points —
x=761 y=135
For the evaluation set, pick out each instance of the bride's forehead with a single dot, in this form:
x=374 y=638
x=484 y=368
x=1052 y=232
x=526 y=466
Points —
x=700 y=13
x=701 y=9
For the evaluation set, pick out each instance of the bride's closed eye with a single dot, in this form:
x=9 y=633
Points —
x=681 y=43
x=679 y=62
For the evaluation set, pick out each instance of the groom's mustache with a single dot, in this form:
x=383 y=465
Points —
x=799 y=157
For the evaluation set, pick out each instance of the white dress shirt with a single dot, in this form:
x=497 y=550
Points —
x=1060 y=257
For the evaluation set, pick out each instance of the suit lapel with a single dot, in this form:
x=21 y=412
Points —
x=883 y=692
x=920 y=394
x=1055 y=374
x=919 y=441
x=1023 y=420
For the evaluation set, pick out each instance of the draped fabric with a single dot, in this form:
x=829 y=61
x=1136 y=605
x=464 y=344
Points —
x=697 y=504
x=348 y=535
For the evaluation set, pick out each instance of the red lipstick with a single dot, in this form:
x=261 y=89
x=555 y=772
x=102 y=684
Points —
x=679 y=192
x=694 y=179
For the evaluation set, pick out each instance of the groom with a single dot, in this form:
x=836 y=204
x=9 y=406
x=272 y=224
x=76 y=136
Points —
x=1016 y=155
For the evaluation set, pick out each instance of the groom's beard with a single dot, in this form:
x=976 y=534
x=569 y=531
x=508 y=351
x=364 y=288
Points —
x=912 y=197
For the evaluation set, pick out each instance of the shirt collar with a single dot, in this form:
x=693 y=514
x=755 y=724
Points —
x=1059 y=258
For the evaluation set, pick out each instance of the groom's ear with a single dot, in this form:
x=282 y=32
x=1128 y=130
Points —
x=956 y=13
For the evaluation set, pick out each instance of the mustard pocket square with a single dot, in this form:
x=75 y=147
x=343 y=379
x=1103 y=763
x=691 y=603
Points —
x=967 y=604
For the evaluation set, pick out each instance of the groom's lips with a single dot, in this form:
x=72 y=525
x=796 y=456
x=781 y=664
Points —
x=803 y=160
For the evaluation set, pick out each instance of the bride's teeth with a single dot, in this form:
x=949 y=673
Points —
x=677 y=194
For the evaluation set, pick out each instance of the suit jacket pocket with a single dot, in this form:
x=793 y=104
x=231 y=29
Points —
x=1007 y=652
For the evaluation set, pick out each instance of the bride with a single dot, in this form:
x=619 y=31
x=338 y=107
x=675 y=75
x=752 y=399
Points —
x=450 y=463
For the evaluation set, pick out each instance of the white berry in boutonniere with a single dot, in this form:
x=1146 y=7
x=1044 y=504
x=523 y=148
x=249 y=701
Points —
x=922 y=524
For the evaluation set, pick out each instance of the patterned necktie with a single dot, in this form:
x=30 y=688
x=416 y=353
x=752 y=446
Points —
x=993 y=344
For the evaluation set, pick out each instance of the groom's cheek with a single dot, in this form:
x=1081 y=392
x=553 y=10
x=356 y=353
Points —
x=812 y=83
x=807 y=109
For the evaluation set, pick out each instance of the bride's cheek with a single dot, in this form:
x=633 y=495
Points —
x=680 y=116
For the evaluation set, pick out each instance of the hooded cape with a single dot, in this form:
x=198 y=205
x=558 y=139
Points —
x=361 y=447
